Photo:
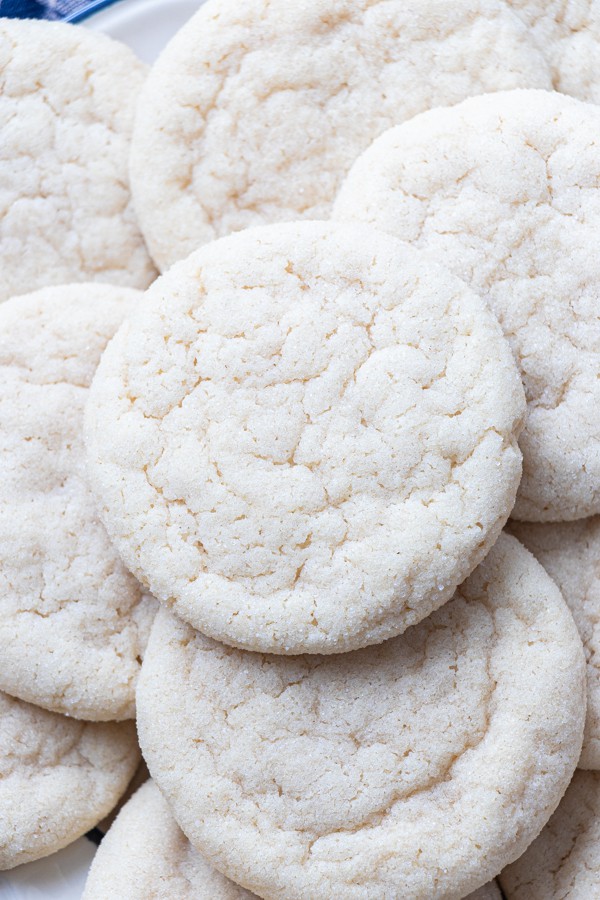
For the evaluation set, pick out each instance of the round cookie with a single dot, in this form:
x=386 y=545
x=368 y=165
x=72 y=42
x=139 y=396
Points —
x=564 y=860
x=73 y=621
x=145 y=856
x=568 y=33
x=570 y=553
x=503 y=191
x=58 y=778
x=255 y=111
x=429 y=761
x=67 y=101
x=306 y=437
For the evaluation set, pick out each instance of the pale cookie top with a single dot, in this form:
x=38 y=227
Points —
x=504 y=190
x=564 y=862
x=568 y=33
x=256 y=110
x=570 y=553
x=306 y=437
x=429 y=761
x=67 y=100
x=145 y=856
x=58 y=777
x=73 y=621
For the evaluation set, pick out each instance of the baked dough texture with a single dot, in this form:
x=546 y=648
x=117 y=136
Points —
x=145 y=856
x=306 y=437
x=563 y=862
x=255 y=111
x=58 y=778
x=568 y=33
x=570 y=553
x=67 y=101
x=428 y=762
x=503 y=190
x=73 y=621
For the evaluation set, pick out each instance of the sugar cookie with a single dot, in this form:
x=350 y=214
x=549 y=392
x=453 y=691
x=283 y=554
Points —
x=570 y=553
x=306 y=437
x=256 y=110
x=568 y=33
x=429 y=761
x=564 y=861
x=145 y=856
x=67 y=99
x=504 y=191
x=58 y=778
x=73 y=621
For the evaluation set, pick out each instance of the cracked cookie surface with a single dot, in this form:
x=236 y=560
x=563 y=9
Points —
x=73 y=621
x=503 y=190
x=146 y=856
x=67 y=101
x=570 y=553
x=429 y=761
x=568 y=34
x=58 y=777
x=564 y=861
x=256 y=110
x=306 y=437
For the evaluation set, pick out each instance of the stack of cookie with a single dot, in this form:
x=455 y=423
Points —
x=73 y=621
x=374 y=340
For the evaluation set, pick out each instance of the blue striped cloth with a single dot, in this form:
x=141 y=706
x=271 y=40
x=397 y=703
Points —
x=41 y=9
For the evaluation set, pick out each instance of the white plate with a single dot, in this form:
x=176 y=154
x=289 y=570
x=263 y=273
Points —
x=58 y=877
x=146 y=26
